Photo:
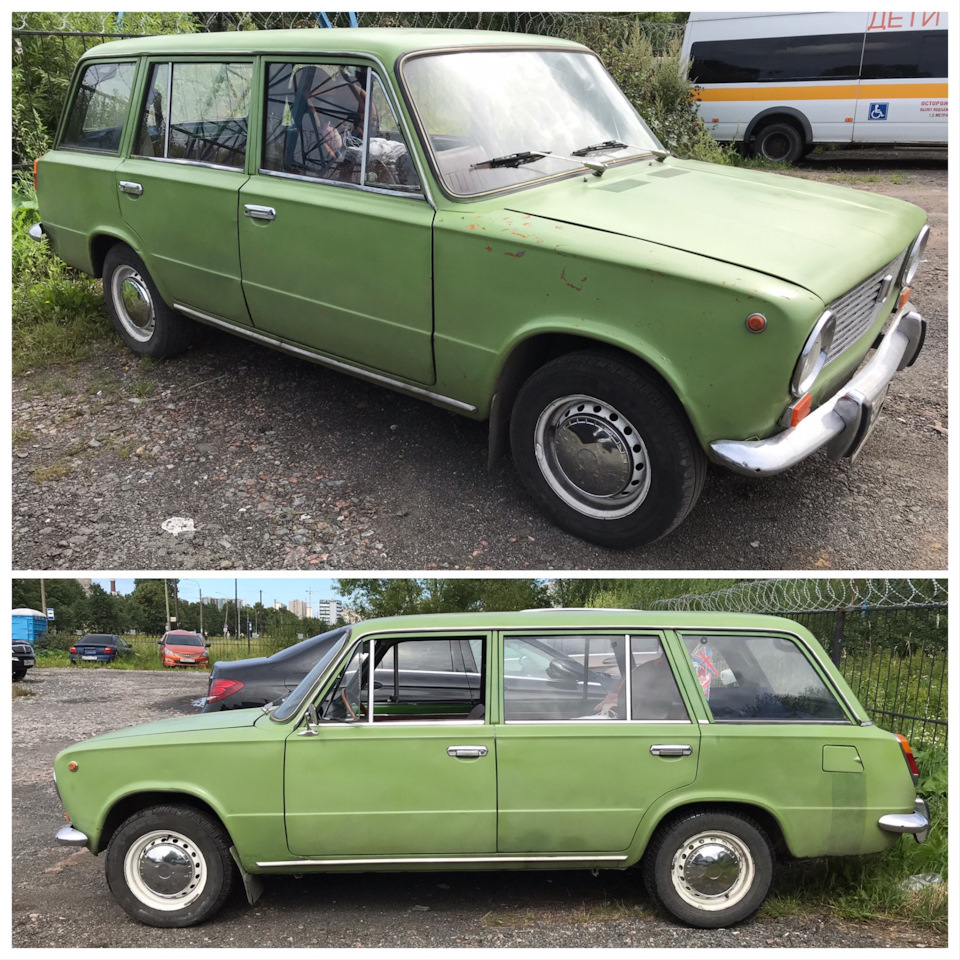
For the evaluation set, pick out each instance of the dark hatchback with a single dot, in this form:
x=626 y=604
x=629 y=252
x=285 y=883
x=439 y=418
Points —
x=23 y=658
x=100 y=648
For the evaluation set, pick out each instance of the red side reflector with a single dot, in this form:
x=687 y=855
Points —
x=221 y=689
x=908 y=756
x=801 y=408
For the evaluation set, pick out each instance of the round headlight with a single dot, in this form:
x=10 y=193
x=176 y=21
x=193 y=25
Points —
x=814 y=354
x=914 y=255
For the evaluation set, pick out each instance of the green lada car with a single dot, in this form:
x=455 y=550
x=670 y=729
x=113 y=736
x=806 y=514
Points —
x=484 y=221
x=700 y=748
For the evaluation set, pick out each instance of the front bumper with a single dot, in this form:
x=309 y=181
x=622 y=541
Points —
x=842 y=423
x=70 y=836
x=917 y=823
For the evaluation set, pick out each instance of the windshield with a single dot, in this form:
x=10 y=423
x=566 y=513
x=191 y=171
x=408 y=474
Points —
x=292 y=704
x=489 y=105
x=185 y=639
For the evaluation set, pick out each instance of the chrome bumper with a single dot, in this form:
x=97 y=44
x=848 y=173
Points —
x=36 y=232
x=917 y=823
x=70 y=836
x=842 y=423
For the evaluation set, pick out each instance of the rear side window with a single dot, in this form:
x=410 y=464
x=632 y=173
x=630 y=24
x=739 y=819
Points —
x=756 y=678
x=196 y=112
x=96 y=116
x=905 y=55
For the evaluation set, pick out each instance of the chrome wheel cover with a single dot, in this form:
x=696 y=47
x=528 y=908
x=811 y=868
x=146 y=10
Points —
x=165 y=870
x=133 y=303
x=592 y=457
x=713 y=870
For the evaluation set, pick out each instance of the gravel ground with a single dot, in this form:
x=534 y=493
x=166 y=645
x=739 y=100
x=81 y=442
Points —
x=285 y=465
x=60 y=897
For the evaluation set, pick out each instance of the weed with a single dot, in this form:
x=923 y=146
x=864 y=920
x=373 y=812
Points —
x=897 y=178
x=56 y=471
x=20 y=436
x=144 y=388
x=19 y=692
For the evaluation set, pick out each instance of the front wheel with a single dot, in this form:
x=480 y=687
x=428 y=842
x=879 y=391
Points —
x=709 y=869
x=170 y=866
x=19 y=675
x=605 y=450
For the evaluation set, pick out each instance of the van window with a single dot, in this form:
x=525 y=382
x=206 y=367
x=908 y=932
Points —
x=756 y=678
x=907 y=55
x=199 y=114
x=96 y=116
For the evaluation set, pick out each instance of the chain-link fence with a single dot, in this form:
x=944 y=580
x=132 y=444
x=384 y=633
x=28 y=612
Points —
x=887 y=636
x=46 y=46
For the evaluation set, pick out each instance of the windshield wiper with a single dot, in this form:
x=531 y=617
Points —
x=619 y=145
x=510 y=160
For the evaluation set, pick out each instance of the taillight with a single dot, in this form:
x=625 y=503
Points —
x=221 y=689
x=35 y=176
x=908 y=756
x=108 y=649
x=73 y=649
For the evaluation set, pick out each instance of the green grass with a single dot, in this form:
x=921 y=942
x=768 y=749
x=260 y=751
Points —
x=143 y=388
x=20 y=436
x=56 y=471
x=19 y=692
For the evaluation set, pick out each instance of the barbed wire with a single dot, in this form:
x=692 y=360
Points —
x=812 y=594
x=556 y=24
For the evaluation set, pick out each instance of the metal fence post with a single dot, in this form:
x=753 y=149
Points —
x=839 y=624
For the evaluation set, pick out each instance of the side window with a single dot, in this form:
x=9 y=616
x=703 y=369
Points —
x=198 y=113
x=654 y=694
x=755 y=678
x=389 y=163
x=96 y=116
x=347 y=698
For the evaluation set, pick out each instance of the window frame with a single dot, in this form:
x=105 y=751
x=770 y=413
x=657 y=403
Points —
x=375 y=69
x=75 y=82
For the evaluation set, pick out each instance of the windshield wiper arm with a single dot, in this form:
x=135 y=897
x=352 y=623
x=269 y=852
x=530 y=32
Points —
x=510 y=160
x=618 y=145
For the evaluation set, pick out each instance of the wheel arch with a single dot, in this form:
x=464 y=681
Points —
x=779 y=114
x=102 y=241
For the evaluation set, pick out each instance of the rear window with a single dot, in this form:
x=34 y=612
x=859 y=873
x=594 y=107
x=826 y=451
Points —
x=96 y=116
x=757 y=678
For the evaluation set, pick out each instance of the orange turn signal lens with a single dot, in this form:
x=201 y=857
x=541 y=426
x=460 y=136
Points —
x=756 y=323
x=904 y=298
x=801 y=408
x=72 y=766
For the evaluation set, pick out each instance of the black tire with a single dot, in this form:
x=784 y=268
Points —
x=145 y=323
x=623 y=467
x=695 y=892
x=779 y=143
x=19 y=675
x=197 y=857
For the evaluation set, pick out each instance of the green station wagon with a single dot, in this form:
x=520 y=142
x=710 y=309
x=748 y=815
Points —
x=700 y=747
x=484 y=221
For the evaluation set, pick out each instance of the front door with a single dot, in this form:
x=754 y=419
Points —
x=414 y=776
x=335 y=234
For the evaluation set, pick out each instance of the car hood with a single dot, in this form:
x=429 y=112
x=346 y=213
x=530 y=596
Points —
x=190 y=724
x=185 y=650
x=819 y=236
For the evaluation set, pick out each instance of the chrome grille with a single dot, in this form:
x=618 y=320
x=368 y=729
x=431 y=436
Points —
x=857 y=309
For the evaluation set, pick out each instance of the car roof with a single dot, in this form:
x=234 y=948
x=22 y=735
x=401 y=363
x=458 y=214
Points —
x=386 y=43
x=182 y=633
x=582 y=619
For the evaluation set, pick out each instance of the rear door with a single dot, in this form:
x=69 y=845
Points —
x=179 y=189
x=580 y=759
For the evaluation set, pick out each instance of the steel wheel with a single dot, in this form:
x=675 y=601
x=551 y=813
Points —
x=713 y=870
x=165 y=870
x=133 y=303
x=592 y=457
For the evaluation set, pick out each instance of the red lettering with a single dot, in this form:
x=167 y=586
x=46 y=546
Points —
x=927 y=17
x=894 y=21
x=873 y=25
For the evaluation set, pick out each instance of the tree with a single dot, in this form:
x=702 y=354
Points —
x=103 y=611
x=151 y=601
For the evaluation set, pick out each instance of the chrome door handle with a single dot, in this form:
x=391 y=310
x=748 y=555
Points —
x=259 y=213
x=671 y=750
x=469 y=753
x=134 y=189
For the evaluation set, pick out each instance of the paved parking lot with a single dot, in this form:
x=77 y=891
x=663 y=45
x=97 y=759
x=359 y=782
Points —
x=60 y=897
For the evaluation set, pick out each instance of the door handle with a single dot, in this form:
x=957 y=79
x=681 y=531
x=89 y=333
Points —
x=259 y=213
x=467 y=753
x=129 y=186
x=671 y=750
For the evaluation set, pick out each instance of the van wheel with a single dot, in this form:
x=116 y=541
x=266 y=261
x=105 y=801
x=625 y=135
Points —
x=145 y=323
x=170 y=866
x=779 y=143
x=709 y=869
x=605 y=450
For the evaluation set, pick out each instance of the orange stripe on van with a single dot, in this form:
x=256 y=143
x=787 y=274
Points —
x=846 y=91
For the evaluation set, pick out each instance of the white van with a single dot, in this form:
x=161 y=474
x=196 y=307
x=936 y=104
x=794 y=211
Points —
x=781 y=83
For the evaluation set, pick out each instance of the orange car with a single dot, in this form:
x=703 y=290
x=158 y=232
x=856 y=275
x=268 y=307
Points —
x=183 y=648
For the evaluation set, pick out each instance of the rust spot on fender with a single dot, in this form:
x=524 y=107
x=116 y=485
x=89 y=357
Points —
x=519 y=253
x=563 y=277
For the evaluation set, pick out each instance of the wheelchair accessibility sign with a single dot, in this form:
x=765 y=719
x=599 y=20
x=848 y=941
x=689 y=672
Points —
x=877 y=111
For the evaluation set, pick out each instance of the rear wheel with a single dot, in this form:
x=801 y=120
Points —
x=170 y=866
x=19 y=674
x=779 y=143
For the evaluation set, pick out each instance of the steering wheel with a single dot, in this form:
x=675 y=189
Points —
x=348 y=705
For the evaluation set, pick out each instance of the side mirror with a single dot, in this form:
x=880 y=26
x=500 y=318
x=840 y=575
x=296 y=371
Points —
x=159 y=643
x=207 y=645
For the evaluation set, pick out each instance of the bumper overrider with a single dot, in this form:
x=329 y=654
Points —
x=70 y=836
x=917 y=823
x=842 y=423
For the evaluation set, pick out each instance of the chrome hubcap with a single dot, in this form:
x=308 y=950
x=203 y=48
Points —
x=133 y=302
x=165 y=871
x=713 y=870
x=592 y=457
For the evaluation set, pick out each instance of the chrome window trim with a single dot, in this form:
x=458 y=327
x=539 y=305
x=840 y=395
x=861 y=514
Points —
x=166 y=134
x=593 y=722
x=576 y=858
x=760 y=720
x=367 y=110
x=322 y=359
x=189 y=163
x=342 y=183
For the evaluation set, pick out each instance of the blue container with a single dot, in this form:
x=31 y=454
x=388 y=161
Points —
x=29 y=625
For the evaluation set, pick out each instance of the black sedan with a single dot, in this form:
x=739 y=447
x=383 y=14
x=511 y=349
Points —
x=23 y=658
x=235 y=684
x=99 y=648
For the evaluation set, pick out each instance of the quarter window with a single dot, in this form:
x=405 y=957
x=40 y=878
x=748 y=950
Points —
x=96 y=117
x=756 y=678
x=197 y=112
